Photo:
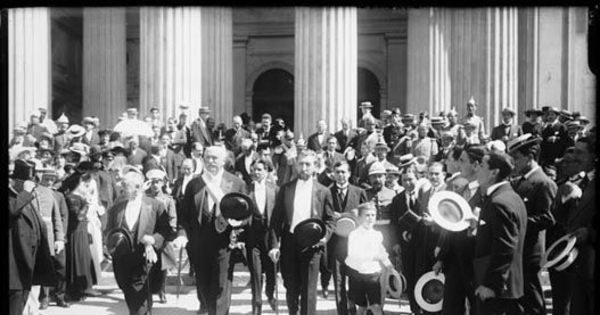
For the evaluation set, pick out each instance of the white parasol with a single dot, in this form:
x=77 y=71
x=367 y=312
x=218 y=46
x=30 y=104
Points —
x=134 y=127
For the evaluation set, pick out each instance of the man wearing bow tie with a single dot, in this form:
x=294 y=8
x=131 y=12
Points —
x=208 y=232
x=507 y=130
x=297 y=201
x=317 y=141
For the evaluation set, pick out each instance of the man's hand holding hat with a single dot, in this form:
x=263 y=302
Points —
x=150 y=254
x=180 y=242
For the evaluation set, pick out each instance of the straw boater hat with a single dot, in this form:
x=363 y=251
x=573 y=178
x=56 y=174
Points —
x=561 y=254
x=437 y=120
x=429 y=291
x=392 y=169
x=376 y=168
x=450 y=211
x=524 y=140
x=366 y=105
x=407 y=160
x=345 y=224
x=75 y=131
x=392 y=283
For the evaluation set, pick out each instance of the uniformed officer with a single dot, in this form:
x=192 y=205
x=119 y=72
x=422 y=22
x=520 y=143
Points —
x=472 y=117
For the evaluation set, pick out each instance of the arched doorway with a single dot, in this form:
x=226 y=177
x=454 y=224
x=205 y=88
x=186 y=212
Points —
x=273 y=93
x=368 y=90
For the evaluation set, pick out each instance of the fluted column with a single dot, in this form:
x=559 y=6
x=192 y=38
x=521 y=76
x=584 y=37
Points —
x=171 y=60
x=29 y=67
x=104 y=64
x=429 y=86
x=325 y=67
x=484 y=62
x=217 y=63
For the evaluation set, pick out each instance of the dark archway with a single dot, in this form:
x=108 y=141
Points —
x=273 y=93
x=368 y=90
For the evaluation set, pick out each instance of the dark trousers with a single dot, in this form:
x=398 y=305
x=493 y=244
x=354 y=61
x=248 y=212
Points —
x=131 y=272
x=259 y=263
x=59 y=262
x=16 y=301
x=213 y=278
x=457 y=290
x=581 y=282
x=561 y=292
x=300 y=272
x=532 y=301
x=497 y=306
x=344 y=304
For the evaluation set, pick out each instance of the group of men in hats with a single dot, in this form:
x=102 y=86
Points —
x=174 y=187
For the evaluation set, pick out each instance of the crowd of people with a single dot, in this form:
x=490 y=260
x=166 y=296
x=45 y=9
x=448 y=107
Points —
x=157 y=183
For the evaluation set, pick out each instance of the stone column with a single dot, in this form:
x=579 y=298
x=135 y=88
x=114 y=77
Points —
x=29 y=67
x=428 y=68
x=239 y=73
x=104 y=64
x=484 y=61
x=325 y=67
x=396 y=65
x=217 y=61
x=171 y=60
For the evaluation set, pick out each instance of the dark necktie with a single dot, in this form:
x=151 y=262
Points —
x=584 y=183
x=412 y=202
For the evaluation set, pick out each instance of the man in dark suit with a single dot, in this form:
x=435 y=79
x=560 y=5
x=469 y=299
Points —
x=263 y=192
x=346 y=197
x=147 y=221
x=538 y=192
x=175 y=157
x=507 y=130
x=90 y=137
x=318 y=140
x=555 y=138
x=330 y=155
x=582 y=222
x=499 y=240
x=136 y=154
x=199 y=131
x=267 y=133
x=532 y=125
x=346 y=137
x=29 y=260
x=235 y=135
x=208 y=232
x=299 y=266
x=244 y=160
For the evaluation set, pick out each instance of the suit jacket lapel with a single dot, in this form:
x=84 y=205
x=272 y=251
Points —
x=145 y=218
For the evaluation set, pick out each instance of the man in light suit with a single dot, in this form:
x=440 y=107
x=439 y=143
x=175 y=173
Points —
x=318 y=140
x=299 y=267
x=499 y=239
x=263 y=192
x=147 y=221
x=538 y=192
x=208 y=232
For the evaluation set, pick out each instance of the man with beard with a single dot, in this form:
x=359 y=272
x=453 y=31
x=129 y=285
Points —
x=538 y=192
x=207 y=230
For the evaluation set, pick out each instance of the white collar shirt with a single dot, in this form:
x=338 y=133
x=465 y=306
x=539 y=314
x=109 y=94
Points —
x=473 y=186
x=186 y=180
x=132 y=211
x=214 y=181
x=302 y=202
x=248 y=161
x=526 y=176
x=260 y=194
x=493 y=188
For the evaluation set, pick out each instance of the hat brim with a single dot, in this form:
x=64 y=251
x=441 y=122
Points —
x=423 y=301
x=230 y=207
x=345 y=224
x=535 y=140
x=395 y=283
x=442 y=220
x=119 y=242
x=551 y=258
x=305 y=242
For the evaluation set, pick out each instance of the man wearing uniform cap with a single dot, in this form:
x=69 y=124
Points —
x=538 y=193
x=532 y=125
x=554 y=138
x=199 y=130
x=472 y=117
x=507 y=130
x=300 y=270
x=498 y=263
x=380 y=151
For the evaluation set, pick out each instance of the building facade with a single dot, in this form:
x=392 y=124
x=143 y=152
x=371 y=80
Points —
x=301 y=64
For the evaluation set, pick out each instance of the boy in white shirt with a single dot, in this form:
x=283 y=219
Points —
x=366 y=255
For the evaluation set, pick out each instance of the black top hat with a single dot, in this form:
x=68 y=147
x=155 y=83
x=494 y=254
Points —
x=533 y=110
x=119 y=242
x=24 y=170
x=85 y=167
x=309 y=232
x=236 y=206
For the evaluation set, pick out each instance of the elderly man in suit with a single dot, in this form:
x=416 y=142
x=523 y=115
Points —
x=508 y=130
x=300 y=267
x=136 y=154
x=582 y=222
x=346 y=137
x=538 y=192
x=29 y=258
x=208 y=232
x=500 y=237
x=318 y=140
x=346 y=197
x=263 y=192
x=235 y=135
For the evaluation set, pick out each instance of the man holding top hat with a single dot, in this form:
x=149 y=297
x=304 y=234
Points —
x=208 y=231
x=29 y=258
x=538 y=192
x=499 y=239
x=303 y=212
x=137 y=227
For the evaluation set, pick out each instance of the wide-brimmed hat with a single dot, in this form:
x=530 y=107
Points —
x=376 y=168
x=345 y=224
x=119 y=242
x=407 y=160
x=17 y=150
x=566 y=114
x=533 y=110
x=409 y=220
x=236 y=206
x=561 y=254
x=309 y=232
x=574 y=124
x=24 y=170
x=429 y=291
x=80 y=147
x=394 y=283
x=365 y=105
x=435 y=120
x=521 y=141
x=510 y=111
x=450 y=211
x=392 y=170
x=75 y=131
